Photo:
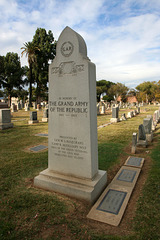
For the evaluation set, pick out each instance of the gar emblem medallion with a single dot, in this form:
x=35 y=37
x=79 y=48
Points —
x=67 y=49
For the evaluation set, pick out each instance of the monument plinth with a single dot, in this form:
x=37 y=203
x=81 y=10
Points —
x=73 y=149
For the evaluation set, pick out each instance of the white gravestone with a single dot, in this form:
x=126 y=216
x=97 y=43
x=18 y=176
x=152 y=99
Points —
x=73 y=150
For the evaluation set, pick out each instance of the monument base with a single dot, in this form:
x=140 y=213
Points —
x=80 y=188
x=142 y=143
x=44 y=119
x=5 y=125
x=114 y=120
x=149 y=137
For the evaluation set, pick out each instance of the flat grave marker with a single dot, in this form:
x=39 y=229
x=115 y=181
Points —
x=111 y=205
x=134 y=162
x=42 y=134
x=126 y=175
x=112 y=201
x=38 y=148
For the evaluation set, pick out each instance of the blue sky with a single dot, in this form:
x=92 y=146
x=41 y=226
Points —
x=122 y=36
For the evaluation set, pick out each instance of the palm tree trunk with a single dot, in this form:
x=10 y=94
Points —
x=30 y=86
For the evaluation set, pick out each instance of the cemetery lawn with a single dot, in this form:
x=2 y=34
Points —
x=30 y=213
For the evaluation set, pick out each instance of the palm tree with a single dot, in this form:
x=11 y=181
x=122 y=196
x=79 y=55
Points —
x=30 y=50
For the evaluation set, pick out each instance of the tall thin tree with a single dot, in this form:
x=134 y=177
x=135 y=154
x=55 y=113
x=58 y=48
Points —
x=29 y=50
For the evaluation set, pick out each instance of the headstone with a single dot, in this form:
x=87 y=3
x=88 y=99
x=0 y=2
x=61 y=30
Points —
x=5 y=119
x=3 y=105
x=39 y=107
x=138 y=110
x=102 y=109
x=33 y=117
x=13 y=108
x=157 y=116
x=45 y=115
x=19 y=107
x=98 y=110
x=22 y=104
x=27 y=108
x=34 y=105
x=147 y=123
x=142 y=135
x=154 y=123
x=129 y=115
x=73 y=152
x=142 y=141
x=123 y=117
x=134 y=112
x=115 y=113
x=134 y=143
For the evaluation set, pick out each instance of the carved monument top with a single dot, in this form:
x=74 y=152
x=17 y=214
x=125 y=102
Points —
x=70 y=43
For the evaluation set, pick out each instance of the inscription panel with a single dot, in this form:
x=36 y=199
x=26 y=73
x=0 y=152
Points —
x=68 y=107
x=127 y=175
x=112 y=201
x=69 y=147
x=134 y=161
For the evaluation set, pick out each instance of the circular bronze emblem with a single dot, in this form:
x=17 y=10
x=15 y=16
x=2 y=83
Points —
x=67 y=49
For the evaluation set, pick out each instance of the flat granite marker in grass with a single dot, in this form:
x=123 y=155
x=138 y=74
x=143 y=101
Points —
x=38 y=148
x=42 y=134
x=112 y=203
x=73 y=149
x=134 y=162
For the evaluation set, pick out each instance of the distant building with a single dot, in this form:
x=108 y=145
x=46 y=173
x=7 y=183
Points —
x=130 y=99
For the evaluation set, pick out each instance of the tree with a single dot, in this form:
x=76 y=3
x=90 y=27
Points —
x=157 y=92
x=11 y=73
x=103 y=86
x=119 y=89
x=1 y=93
x=47 y=51
x=30 y=50
x=2 y=71
x=148 y=89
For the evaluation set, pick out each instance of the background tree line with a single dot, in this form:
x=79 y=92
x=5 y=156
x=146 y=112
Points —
x=13 y=78
x=146 y=91
x=40 y=52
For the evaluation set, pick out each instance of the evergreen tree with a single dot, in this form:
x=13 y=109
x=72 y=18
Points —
x=47 y=51
x=11 y=73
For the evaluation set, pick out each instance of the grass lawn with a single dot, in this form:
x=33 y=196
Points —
x=30 y=213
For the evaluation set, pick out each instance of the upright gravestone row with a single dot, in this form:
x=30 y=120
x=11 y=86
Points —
x=145 y=132
x=73 y=152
